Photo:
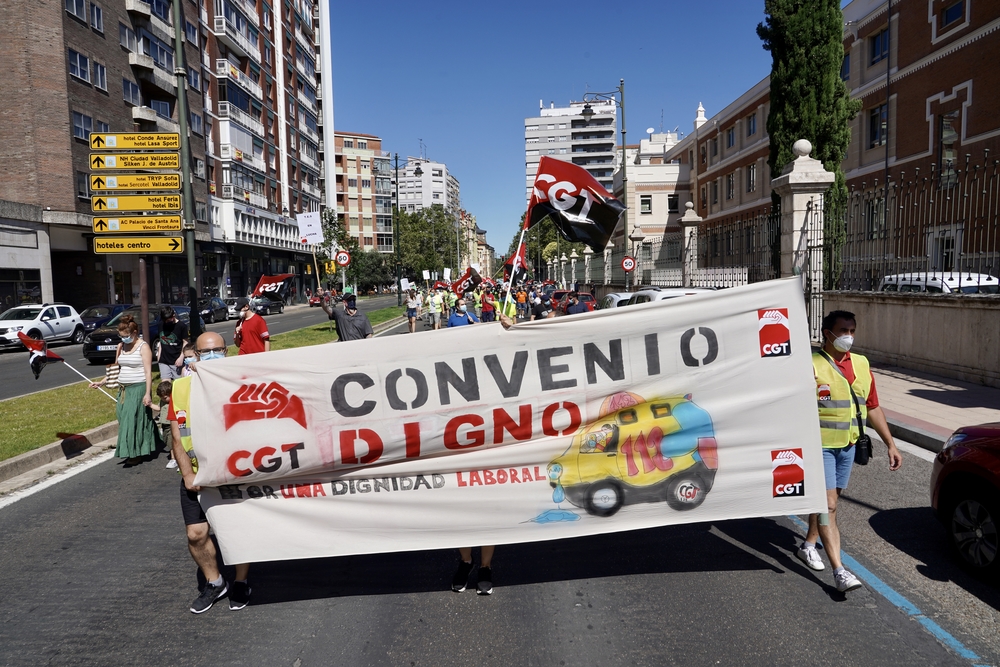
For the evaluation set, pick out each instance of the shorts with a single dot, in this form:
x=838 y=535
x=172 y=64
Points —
x=411 y=312
x=435 y=318
x=837 y=464
x=170 y=372
x=191 y=508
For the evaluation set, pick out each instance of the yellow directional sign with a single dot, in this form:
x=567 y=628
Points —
x=135 y=161
x=138 y=223
x=102 y=203
x=139 y=244
x=136 y=182
x=136 y=141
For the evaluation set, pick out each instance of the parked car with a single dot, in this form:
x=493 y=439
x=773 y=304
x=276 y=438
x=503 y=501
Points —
x=97 y=316
x=99 y=346
x=647 y=294
x=585 y=298
x=315 y=300
x=213 y=309
x=231 y=308
x=265 y=306
x=947 y=282
x=51 y=321
x=615 y=300
x=965 y=495
x=557 y=295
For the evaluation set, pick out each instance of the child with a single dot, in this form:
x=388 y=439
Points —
x=163 y=393
x=187 y=352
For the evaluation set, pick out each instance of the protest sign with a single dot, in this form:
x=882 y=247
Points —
x=656 y=414
x=310 y=228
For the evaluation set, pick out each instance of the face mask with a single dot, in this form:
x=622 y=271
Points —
x=462 y=308
x=188 y=361
x=843 y=343
x=208 y=356
x=128 y=339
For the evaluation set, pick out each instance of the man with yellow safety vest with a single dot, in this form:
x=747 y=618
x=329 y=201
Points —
x=209 y=346
x=845 y=391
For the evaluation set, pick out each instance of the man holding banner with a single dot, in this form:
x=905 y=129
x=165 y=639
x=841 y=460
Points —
x=351 y=323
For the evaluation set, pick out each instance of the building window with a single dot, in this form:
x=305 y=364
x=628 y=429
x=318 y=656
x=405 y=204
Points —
x=751 y=177
x=730 y=186
x=362 y=144
x=878 y=46
x=953 y=13
x=704 y=154
x=126 y=38
x=752 y=124
x=366 y=183
x=715 y=147
x=79 y=65
x=437 y=173
x=947 y=138
x=562 y=151
x=715 y=192
x=731 y=137
x=531 y=153
x=194 y=79
x=101 y=126
x=352 y=182
x=100 y=76
x=191 y=30
x=83 y=125
x=704 y=198
x=845 y=68
x=199 y=168
x=77 y=8
x=161 y=107
x=877 y=126
x=673 y=204
x=82 y=185
x=437 y=195
x=96 y=18
x=552 y=151
x=197 y=124
x=645 y=204
x=348 y=143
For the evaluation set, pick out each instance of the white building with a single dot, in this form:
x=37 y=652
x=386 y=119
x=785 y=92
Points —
x=434 y=185
x=658 y=186
x=563 y=133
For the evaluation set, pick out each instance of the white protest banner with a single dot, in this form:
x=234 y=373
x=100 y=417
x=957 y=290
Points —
x=404 y=284
x=427 y=274
x=447 y=274
x=310 y=228
x=695 y=409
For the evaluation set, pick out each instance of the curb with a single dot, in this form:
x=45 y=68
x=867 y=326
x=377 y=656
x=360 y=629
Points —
x=388 y=324
x=69 y=447
x=916 y=435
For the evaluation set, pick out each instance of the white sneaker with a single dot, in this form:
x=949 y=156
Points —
x=808 y=554
x=171 y=464
x=846 y=581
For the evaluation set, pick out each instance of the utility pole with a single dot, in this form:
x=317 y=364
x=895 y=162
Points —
x=180 y=72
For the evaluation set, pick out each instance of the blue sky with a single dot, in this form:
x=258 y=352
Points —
x=462 y=76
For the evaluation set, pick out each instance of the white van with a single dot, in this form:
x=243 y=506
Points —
x=647 y=294
x=945 y=282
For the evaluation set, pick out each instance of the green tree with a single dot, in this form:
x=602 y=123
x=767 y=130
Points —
x=427 y=241
x=537 y=241
x=809 y=100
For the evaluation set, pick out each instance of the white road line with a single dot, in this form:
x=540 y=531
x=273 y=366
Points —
x=72 y=471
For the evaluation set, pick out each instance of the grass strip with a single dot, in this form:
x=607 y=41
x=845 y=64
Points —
x=30 y=422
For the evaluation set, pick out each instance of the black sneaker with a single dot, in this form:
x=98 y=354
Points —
x=239 y=595
x=485 y=586
x=208 y=597
x=461 y=579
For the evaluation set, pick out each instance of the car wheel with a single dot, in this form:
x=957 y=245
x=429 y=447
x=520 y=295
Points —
x=973 y=527
x=604 y=498
x=210 y=318
x=686 y=491
x=35 y=333
x=78 y=336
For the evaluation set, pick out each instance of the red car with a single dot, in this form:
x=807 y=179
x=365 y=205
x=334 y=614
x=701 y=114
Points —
x=315 y=300
x=585 y=298
x=965 y=495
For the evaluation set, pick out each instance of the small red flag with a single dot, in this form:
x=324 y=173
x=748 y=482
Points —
x=39 y=353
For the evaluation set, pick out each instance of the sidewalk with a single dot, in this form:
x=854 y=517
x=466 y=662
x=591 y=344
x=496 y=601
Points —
x=925 y=409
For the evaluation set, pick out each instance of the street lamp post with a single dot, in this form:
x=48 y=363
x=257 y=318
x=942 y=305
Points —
x=636 y=237
x=395 y=231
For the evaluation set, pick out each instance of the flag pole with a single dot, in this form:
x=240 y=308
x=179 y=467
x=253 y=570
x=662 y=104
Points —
x=513 y=270
x=89 y=380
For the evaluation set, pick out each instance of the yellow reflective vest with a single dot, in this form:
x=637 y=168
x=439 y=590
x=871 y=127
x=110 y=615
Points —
x=838 y=422
x=180 y=394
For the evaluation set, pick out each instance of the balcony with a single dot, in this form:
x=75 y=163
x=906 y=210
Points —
x=308 y=131
x=147 y=70
x=229 y=152
x=310 y=189
x=147 y=115
x=305 y=101
x=139 y=8
x=249 y=8
x=309 y=161
x=304 y=40
x=226 y=33
x=237 y=193
x=225 y=69
x=231 y=112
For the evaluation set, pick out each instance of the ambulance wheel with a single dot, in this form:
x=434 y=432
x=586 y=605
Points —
x=686 y=491
x=604 y=498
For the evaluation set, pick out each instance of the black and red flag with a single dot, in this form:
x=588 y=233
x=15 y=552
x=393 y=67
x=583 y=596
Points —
x=581 y=209
x=515 y=267
x=38 y=353
x=468 y=282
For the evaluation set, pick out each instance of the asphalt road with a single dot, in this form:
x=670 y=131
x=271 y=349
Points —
x=18 y=380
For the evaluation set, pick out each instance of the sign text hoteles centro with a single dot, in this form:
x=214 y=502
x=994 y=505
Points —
x=139 y=244
x=135 y=182
x=136 y=141
x=137 y=223
x=101 y=203
x=100 y=161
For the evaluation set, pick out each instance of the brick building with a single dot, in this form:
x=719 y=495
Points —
x=364 y=190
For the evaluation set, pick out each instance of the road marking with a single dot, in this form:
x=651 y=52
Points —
x=890 y=594
x=72 y=471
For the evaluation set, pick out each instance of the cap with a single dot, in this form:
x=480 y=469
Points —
x=350 y=296
x=242 y=303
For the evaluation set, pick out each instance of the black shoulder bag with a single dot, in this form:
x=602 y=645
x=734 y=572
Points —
x=863 y=447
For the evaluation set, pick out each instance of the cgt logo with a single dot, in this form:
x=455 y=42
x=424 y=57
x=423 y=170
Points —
x=263 y=401
x=772 y=329
x=787 y=473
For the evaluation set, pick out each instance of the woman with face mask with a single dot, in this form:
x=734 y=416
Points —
x=137 y=436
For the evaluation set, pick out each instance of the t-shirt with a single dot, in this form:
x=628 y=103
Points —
x=460 y=319
x=434 y=303
x=522 y=297
x=487 y=303
x=540 y=311
x=172 y=337
x=846 y=366
x=580 y=307
x=351 y=327
x=252 y=335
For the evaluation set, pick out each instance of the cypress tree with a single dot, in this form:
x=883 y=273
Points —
x=810 y=101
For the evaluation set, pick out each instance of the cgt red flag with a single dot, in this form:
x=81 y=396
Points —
x=581 y=209
x=515 y=267
x=273 y=285
x=38 y=353
x=467 y=282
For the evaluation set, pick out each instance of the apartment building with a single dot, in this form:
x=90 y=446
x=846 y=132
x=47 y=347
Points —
x=486 y=254
x=258 y=65
x=565 y=134
x=71 y=68
x=364 y=190
x=433 y=185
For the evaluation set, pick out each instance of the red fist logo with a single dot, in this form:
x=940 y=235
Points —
x=263 y=401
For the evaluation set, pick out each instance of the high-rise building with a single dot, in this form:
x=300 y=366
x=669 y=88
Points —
x=565 y=134
x=434 y=185
x=364 y=190
x=72 y=68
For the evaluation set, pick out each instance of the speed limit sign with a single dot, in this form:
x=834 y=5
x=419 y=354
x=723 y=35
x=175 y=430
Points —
x=628 y=264
x=342 y=258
